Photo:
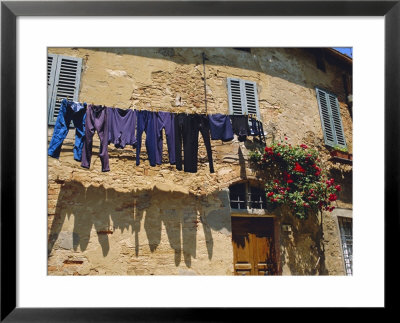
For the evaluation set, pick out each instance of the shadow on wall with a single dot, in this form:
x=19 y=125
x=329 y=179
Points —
x=100 y=211
x=303 y=248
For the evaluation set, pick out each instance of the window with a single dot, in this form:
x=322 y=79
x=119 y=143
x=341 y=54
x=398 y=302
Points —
x=346 y=237
x=330 y=118
x=63 y=80
x=243 y=97
x=243 y=196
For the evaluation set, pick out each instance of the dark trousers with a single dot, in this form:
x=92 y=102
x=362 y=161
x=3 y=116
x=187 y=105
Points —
x=96 y=120
x=165 y=120
x=187 y=128
x=147 y=122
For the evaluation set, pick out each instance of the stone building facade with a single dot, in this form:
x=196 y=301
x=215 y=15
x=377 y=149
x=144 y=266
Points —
x=143 y=220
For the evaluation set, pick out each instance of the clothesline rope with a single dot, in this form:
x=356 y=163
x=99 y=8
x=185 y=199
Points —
x=251 y=115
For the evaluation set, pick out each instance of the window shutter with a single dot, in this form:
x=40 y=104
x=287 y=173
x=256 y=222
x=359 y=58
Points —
x=236 y=104
x=51 y=72
x=251 y=99
x=330 y=119
x=337 y=120
x=243 y=97
x=66 y=83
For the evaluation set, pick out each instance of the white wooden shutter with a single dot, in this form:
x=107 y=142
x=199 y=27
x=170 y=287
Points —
x=51 y=72
x=236 y=104
x=337 y=120
x=330 y=119
x=66 y=83
x=251 y=98
x=243 y=97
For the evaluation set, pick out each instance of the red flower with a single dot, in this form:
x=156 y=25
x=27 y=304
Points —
x=331 y=208
x=298 y=168
x=285 y=138
x=268 y=150
x=329 y=182
x=270 y=194
x=338 y=188
x=276 y=181
x=289 y=181
x=332 y=197
x=303 y=146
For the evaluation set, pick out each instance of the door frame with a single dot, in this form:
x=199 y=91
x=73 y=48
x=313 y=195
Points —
x=277 y=234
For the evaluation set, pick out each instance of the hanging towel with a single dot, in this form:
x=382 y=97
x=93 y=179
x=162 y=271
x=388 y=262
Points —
x=220 y=127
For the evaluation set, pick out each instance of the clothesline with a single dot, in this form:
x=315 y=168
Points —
x=126 y=126
x=251 y=115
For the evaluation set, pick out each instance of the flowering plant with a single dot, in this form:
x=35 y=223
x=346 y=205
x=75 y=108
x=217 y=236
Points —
x=297 y=178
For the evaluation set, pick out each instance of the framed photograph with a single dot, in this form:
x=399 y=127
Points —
x=185 y=144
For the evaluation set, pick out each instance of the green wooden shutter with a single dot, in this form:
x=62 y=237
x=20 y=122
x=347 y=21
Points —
x=330 y=119
x=66 y=83
x=236 y=104
x=243 y=97
x=249 y=89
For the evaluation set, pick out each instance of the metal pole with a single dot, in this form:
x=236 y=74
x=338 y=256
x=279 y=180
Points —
x=205 y=83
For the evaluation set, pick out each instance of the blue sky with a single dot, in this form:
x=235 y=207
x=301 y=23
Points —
x=345 y=50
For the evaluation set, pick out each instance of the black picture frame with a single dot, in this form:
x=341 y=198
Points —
x=10 y=10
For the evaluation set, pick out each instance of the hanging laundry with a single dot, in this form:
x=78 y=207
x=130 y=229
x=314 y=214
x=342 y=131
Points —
x=220 y=127
x=147 y=122
x=165 y=120
x=240 y=125
x=121 y=127
x=187 y=128
x=256 y=128
x=96 y=120
x=69 y=111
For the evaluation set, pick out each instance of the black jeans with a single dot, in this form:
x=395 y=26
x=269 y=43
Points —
x=187 y=128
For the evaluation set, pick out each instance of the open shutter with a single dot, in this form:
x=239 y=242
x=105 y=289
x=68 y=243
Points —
x=337 y=120
x=51 y=72
x=67 y=81
x=250 y=95
x=330 y=118
x=236 y=104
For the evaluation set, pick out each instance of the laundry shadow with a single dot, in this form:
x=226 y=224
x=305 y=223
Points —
x=97 y=212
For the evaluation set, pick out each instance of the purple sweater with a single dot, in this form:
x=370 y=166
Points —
x=121 y=127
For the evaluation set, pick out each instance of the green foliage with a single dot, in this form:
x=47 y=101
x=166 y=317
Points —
x=339 y=148
x=297 y=178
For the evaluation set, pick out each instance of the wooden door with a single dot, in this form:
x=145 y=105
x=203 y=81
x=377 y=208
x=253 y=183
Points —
x=253 y=246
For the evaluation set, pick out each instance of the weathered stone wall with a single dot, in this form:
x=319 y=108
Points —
x=156 y=220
